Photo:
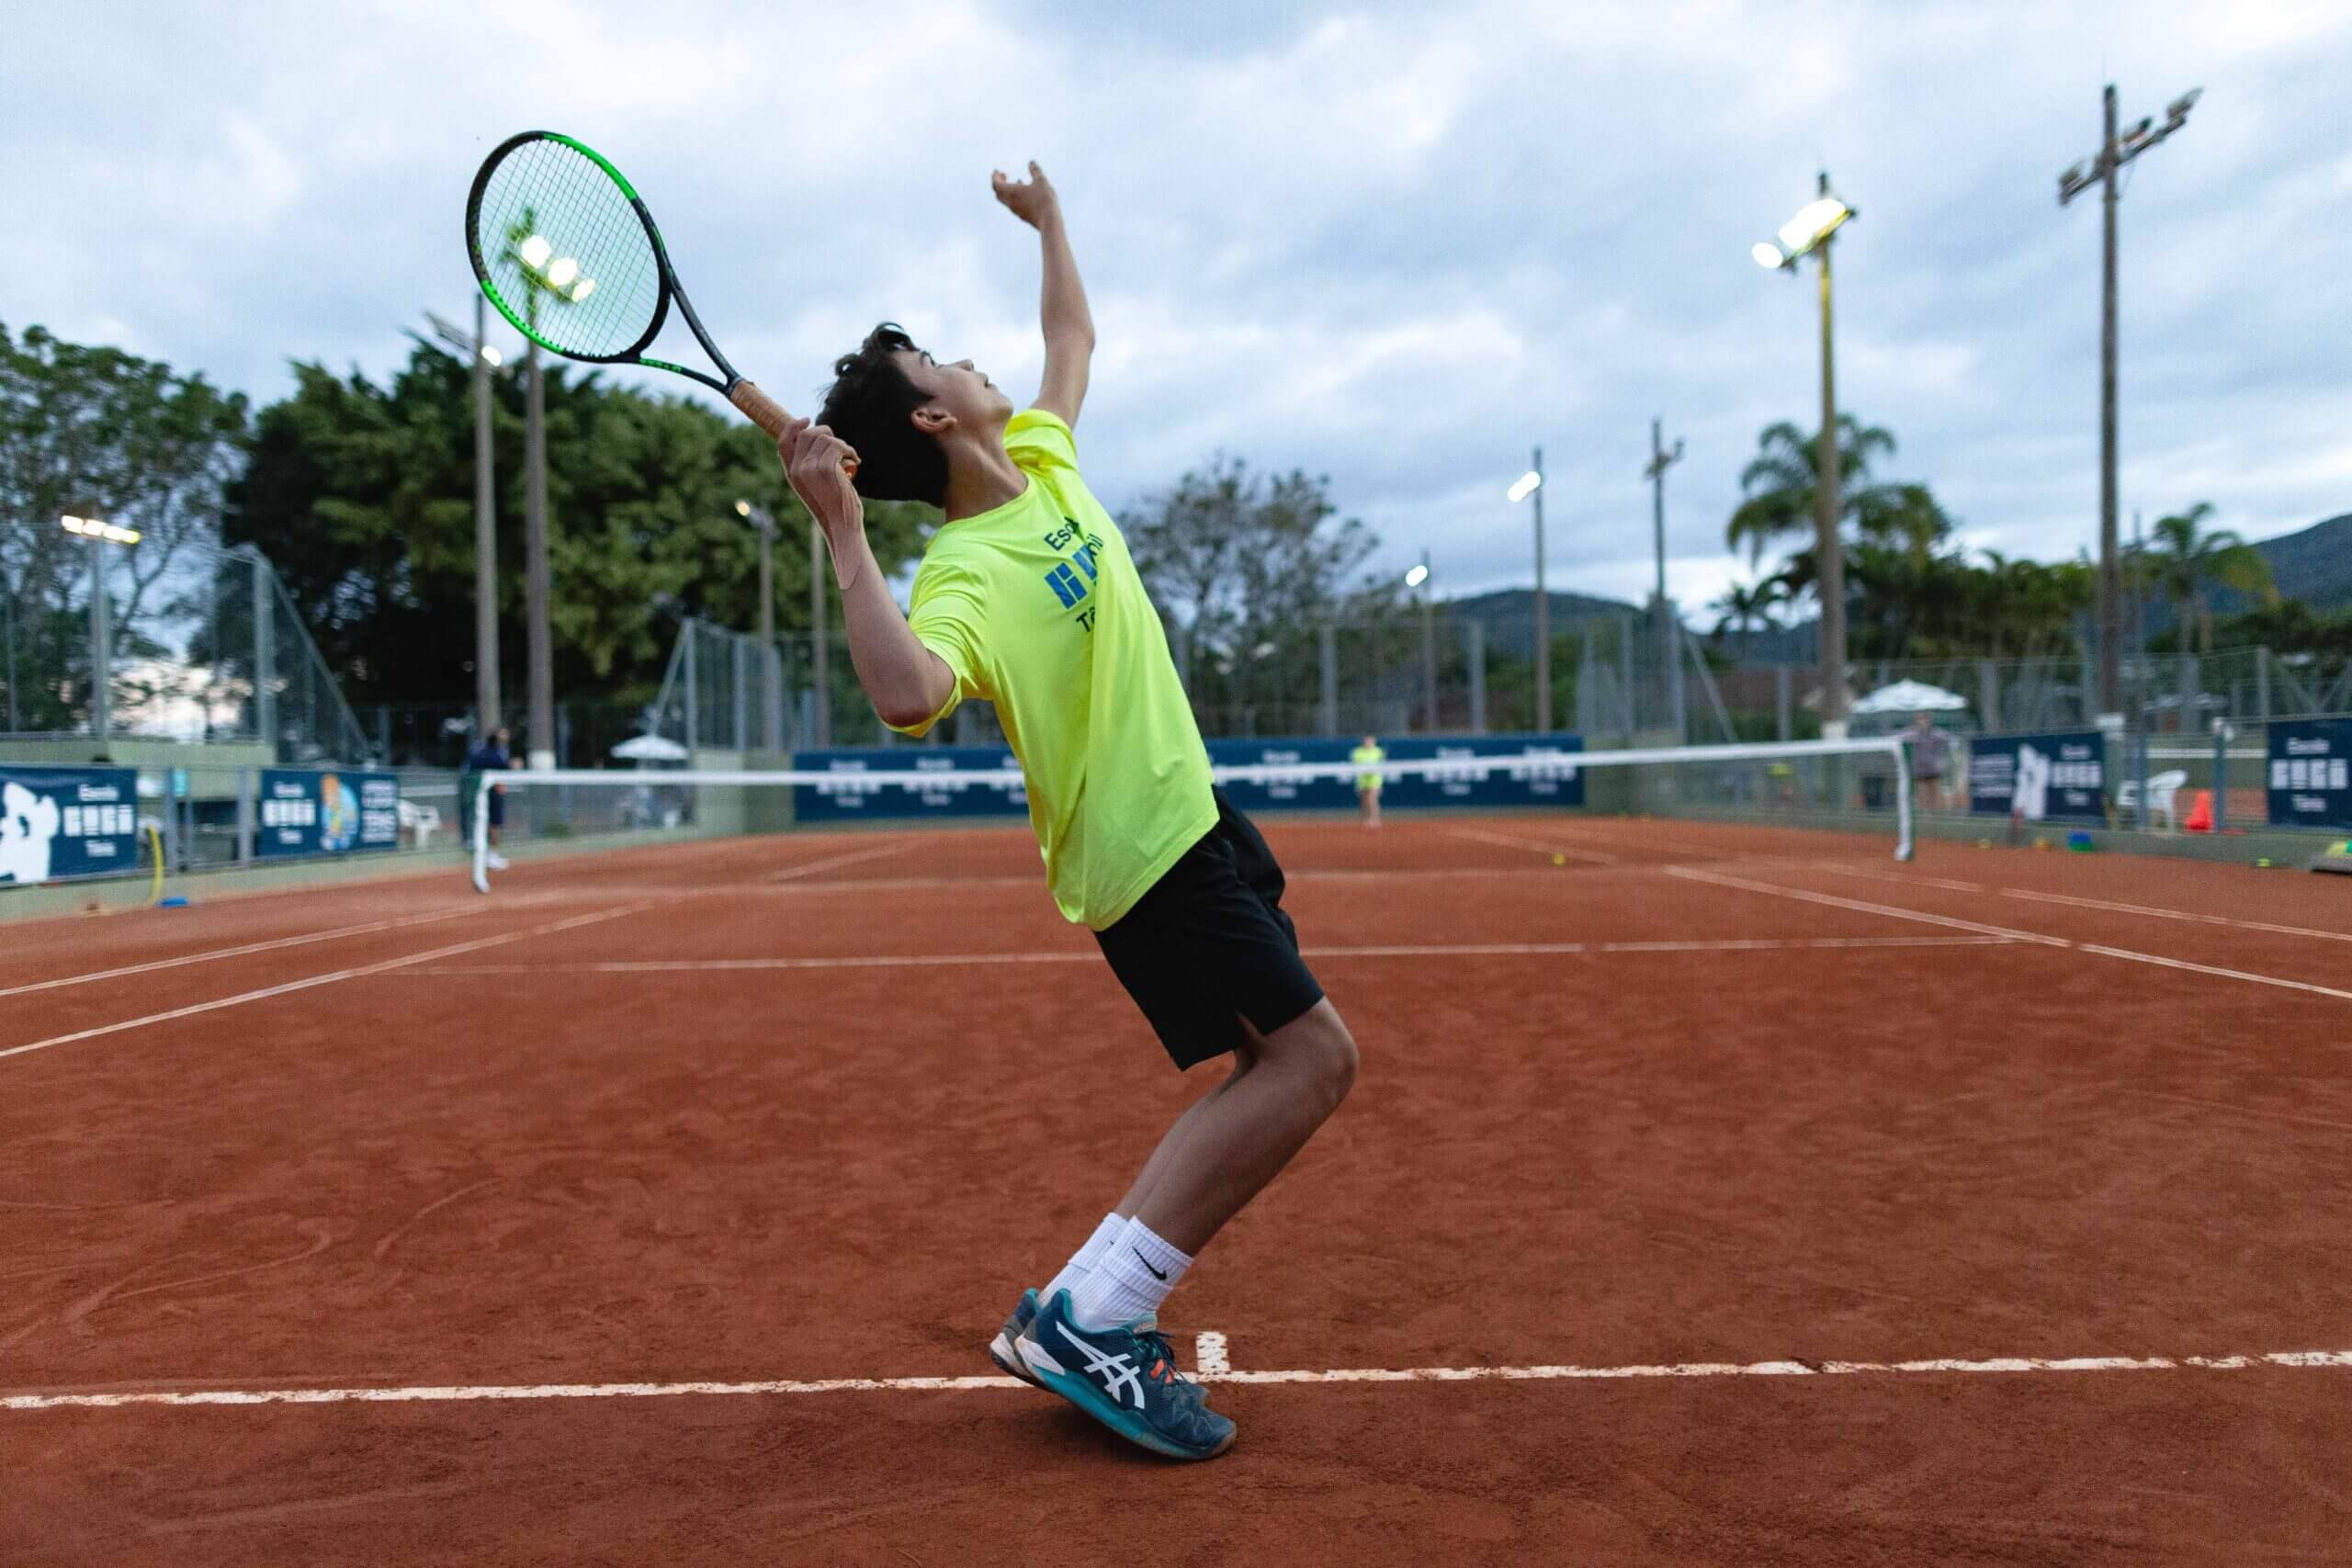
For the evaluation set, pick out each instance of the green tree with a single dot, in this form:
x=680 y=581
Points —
x=1746 y=607
x=2184 y=559
x=1248 y=566
x=97 y=431
x=2181 y=562
x=1779 y=483
x=362 y=495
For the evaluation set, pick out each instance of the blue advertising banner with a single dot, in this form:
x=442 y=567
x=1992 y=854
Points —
x=66 y=822
x=852 y=791
x=2309 y=762
x=2058 y=776
x=1548 y=779
x=305 y=811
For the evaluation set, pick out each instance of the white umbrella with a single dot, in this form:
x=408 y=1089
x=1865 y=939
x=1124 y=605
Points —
x=1911 y=696
x=650 y=749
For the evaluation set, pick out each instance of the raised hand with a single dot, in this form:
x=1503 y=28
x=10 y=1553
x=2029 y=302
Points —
x=818 y=465
x=1031 y=200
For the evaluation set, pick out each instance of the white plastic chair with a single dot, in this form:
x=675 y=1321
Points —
x=2162 y=789
x=424 y=821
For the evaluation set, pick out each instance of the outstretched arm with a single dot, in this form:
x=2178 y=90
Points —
x=1069 y=327
x=906 y=682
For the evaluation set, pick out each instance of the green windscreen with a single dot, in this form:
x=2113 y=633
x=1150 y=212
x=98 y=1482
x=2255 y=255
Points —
x=566 y=257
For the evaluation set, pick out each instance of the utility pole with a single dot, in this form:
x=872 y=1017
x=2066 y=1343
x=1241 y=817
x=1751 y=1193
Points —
x=2101 y=169
x=821 y=719
x=771 y=694
x=1660 y=460
x=538 y=590
x=482 y=357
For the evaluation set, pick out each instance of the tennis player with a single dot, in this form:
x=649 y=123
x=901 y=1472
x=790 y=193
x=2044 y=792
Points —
x=1368 y=757
x=1027 y=598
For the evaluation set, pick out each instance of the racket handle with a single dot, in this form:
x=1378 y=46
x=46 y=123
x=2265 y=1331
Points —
x=769 y=415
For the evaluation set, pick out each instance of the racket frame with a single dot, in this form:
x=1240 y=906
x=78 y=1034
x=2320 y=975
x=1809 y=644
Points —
x=668 y=278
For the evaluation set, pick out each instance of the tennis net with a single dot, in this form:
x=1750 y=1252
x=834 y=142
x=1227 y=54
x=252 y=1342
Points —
x=1747 y=790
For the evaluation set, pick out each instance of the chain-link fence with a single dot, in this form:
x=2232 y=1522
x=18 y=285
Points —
x=206 y=646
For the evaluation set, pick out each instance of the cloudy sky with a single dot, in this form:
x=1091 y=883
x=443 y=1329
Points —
x=1399 y=245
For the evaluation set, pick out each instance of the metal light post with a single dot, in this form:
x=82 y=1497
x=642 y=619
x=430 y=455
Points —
x=1531 y=483
x=546 y=274
x=771 y=696
x=821 y=721
x=1809 y=233
x=484 y=358
x=2100 y=170
x=100 y=536
x=1418 y=577
x=1668 y=632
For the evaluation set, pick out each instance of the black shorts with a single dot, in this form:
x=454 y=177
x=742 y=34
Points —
x=1209 y=945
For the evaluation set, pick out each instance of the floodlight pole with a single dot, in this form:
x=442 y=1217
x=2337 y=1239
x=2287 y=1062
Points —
x=101 y=653
x=1543 y=614
x=1829 y=547
x=1660 y=460
x=821 y=717
x=486 y=693
x=1428 y=643
x=537 y=588
x=2103 y=169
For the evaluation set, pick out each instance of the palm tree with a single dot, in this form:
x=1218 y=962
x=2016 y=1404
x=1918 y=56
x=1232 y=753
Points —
x=1779 y=482
x=1746 y=606
x=2184 y=559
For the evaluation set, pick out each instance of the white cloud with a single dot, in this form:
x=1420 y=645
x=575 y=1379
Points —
x=1395 y=243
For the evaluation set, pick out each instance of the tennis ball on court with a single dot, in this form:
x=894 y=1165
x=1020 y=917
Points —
x=1983 y=844
x=1559 y=860
x=2264 y=863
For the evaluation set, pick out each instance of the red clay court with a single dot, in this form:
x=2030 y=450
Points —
x=1722 y=1195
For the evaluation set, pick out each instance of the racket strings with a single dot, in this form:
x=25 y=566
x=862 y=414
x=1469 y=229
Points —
x=551 y=192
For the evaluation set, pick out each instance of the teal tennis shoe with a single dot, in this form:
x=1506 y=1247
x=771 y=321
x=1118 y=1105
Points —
x=1126 y=1379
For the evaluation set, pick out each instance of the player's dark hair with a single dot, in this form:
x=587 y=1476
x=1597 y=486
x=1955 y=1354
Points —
x=869 y=407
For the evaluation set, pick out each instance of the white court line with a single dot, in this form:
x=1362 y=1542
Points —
x=2162 y=915
x=328 y=979
x=1508 y=842
x=851 y=858
x=237 y=952
x=1208 y=1355
x=2124 y=953
x=2301 y=1360
x=1953 y=883
x=1473 y=950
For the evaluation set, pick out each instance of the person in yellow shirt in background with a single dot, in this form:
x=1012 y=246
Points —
x=1368 y=756
x=1028 y=599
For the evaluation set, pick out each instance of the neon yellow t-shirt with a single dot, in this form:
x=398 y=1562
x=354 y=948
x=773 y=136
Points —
x=1035 y=606
x=1366 y=757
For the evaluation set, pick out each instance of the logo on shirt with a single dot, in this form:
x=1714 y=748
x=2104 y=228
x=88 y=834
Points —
x=1073 y=580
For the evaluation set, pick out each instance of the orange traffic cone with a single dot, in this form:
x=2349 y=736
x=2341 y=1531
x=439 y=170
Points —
x=2201 y=814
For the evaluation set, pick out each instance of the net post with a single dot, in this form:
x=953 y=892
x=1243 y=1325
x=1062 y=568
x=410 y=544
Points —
x=1904 y=846
x=481 y=833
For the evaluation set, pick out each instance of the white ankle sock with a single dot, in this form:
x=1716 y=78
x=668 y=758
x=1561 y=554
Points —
x=1081 y=1262
x=1129 y=1280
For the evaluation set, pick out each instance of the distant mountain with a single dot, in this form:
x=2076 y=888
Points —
x=1510 y=616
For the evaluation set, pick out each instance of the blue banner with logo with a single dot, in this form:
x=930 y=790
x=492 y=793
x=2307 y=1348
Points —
x=307 y=811
x=58 y=822
x=2309 y=762
x=2058 y=776
x=852 y=791
x=1549 y=776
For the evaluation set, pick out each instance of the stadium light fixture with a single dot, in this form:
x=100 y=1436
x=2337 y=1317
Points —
x=491 y=357
x=581 y=289
x=743 y=509
x=562 y=271
x=1526 y=485
x=534 y=251
x=91 y=528
x=1808 y=234
x=1418 y=575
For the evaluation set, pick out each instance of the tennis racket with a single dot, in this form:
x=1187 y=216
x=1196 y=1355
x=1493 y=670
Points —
x=565 y=249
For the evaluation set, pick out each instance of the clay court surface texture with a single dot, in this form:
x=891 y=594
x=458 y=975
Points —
x=1707 y=1195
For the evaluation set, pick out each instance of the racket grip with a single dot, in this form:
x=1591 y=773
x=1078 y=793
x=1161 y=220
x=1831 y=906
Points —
x=770 y=416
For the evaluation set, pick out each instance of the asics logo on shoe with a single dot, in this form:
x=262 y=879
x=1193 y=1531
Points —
x=1147 y=1263
x=1116 y=1370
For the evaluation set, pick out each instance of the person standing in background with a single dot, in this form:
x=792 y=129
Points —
x=1928 y=751
x=1368 y=757
x=491 y=756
